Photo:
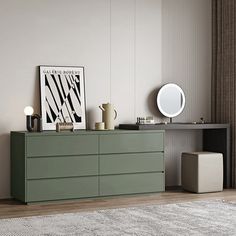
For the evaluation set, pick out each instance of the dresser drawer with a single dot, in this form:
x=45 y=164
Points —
x=125 y=143
x=131 y=183
x=55 y=189
x=131 y=163
x=64 y=166
x=62 y=145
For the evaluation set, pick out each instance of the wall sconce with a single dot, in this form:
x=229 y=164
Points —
x=30 y=119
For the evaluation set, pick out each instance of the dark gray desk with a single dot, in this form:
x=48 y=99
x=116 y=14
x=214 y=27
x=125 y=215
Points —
x=216 y=138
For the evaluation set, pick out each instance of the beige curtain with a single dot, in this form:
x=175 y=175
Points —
x=224 y=69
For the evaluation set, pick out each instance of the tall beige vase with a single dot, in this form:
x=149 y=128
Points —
x=109 y=115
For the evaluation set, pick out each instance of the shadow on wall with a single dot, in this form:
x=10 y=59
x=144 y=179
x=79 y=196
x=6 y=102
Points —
x=90 y=114
x=36 y=95
x=152 y=104
x=5 y=164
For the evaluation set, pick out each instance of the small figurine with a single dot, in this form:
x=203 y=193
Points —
x=202 y=120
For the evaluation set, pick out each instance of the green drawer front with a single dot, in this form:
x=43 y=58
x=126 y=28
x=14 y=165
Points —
x=62 y=145
x=125 y=143
x=131 y=183
x=55 y=189
x=68 y=166
x=131 y=163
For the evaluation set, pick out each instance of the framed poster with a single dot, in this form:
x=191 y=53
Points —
x=62 y=96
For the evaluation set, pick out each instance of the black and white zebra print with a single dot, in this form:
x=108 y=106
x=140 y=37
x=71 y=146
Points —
x=63 y=98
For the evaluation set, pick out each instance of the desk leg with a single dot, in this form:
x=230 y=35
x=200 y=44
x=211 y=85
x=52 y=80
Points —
x=218 y=140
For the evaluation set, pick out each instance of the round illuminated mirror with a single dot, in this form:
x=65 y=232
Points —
x=170 y=100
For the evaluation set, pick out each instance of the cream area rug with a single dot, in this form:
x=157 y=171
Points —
x=192 y=218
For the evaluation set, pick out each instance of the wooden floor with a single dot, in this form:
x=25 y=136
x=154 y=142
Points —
x=12 y=208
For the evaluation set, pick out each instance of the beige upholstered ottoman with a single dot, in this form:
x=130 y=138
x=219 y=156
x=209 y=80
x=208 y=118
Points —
x=202 y=172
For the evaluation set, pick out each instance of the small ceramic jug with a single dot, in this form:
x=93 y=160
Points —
x=109 y=114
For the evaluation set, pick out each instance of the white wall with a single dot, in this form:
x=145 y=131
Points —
x=186 y=60
x=128 y=47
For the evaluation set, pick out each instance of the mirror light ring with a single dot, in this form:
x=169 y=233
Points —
x=170 y=85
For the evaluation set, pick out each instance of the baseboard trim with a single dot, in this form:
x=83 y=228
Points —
x=178 y=187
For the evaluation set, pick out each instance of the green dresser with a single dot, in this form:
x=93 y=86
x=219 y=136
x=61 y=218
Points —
x=55 y=166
